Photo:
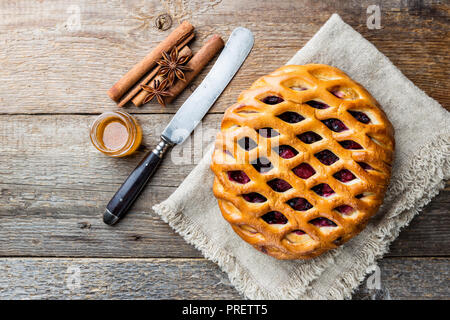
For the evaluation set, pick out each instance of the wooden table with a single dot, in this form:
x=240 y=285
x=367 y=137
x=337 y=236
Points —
x=54 y=185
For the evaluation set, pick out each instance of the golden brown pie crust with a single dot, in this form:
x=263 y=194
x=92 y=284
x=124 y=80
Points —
x=308 y=232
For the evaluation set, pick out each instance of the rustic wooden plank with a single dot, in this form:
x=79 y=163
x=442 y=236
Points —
x=71 y=69
x=59 y=222
x=427 y=234
x=43 y=221
x=27 y=278
x=113 y=279
x=410 y=279
x=55 y=150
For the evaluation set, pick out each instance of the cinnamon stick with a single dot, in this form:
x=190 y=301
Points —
x=179 y=35
x=197 y=63
x=184 y=51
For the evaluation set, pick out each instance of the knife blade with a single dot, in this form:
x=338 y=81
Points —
x=184 y=121
x=197 y=105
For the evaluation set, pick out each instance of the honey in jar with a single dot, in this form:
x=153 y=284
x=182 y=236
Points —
x=116 y=134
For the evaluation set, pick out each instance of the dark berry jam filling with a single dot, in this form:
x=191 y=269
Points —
x=345 y=209
x=309 y=137
x=272 y=100
x=335 y=125
x=291 y=117
x=299 y=232
x=317 y=104
x=360 y=116
x=304 y=171
x=326 y=157
x=238 y=176
x=344 y=175
x=323 y=190
x=279 y=185
x=268 y=132
x=350 y=144
x=365 y=166
x=286 y=152
x=299 y=204
x=338 y=93
x=247 y=143
x=323 y=222
x=254 y=197
x=262 y=165
x=275 y=217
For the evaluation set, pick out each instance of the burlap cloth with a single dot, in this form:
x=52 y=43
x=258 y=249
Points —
x=421 y=165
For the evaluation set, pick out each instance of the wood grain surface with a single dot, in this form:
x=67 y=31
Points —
x=159 y=278
x=54 y=185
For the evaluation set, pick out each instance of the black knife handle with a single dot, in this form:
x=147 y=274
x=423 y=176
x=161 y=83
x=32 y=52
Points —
x=129 y=191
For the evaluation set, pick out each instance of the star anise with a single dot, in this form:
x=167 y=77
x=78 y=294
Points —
x=171 y=65
x=159 y=90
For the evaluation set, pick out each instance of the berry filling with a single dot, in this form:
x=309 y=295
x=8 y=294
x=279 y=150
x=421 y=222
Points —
x=344 y=209
x=279 y=185
x=272 y=100
x=338 y=93
x=238 y=176
x=268 y=132
x=326 y=157
x=299 y=204
x=365 y=166
x=359 y=196
x=350 y=144
x=317 y=104
x=344 y=175
x=335 y=125
x=262 y=165
x=299 y=232
x=360 y=116
x=323 y=190
x=275 y=217
x=304 y=171
x=287 y=152
x=323 y=222
x=254 y=197
x=309 y=137
x=247 y=143
x=291 y=117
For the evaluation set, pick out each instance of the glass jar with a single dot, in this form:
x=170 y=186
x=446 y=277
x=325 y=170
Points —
x=116 y=133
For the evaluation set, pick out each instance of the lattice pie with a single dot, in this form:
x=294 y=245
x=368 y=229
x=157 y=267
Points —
x=302 y=161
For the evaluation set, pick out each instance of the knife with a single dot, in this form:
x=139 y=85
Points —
x=184 y=122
